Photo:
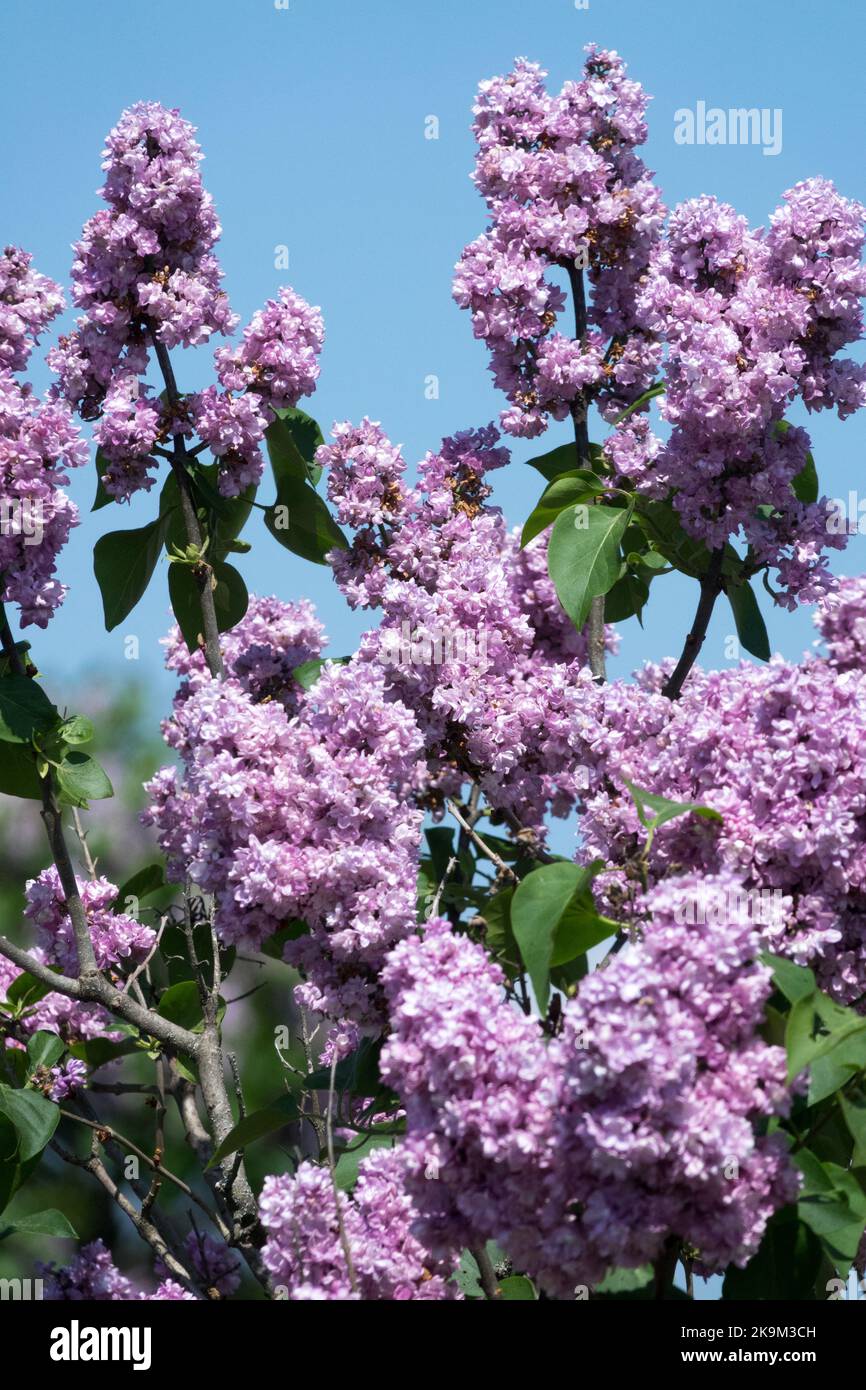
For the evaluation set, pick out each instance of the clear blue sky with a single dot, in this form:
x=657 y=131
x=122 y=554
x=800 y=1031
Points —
x=312 y=121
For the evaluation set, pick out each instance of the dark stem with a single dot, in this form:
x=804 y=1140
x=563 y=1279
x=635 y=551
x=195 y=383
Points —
x=487 y=1276
x=202 y=573
x=711 y=587
x=595 y=627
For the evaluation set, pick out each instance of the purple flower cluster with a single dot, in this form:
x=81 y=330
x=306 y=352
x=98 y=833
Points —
x=131 y=424
x=233 y=428
x=479 y=1090
x=364 y=475
x=66 y=1079
x=565 y=190
x=304 y=817
x=279 y=353
x=145 y=273
x=28 y=303
x=144 y=264
x=262 y=651
x=38 y=441
x=778 y=751
x=841 y=620
x=752 y=321
x=92 y=1277
x=117 y=938
x=472 y=638
x=210 y=1261
x=634 y=1124
x=305 y=1250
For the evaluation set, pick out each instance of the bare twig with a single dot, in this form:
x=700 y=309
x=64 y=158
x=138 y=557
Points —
x=481 y=844
x=711 y=587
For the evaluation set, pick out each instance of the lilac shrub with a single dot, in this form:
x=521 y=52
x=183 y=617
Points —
x=496 y=1072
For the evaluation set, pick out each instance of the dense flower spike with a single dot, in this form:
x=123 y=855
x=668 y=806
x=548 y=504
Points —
x=38 y=442
x=841 y=620
x=305 y=1251
x=116 y=937
x=565 y=190
x=306 y=818
x=663 y=1072
x=778 y=752
x=633 y=1125
x=479 y=1090
x=264 y=649
x=28 y=303
x=751 y=322
x=472 y=636
x=91 y=1277
x=130 y=426
x=144 y=265
x=233 y=428
x=279 y=354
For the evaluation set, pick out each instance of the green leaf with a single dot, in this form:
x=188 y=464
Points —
x=295 y=435
x=664 y=810
x=50 y=1222
x=298 y=519
x=794 y=981
x=146 y=881
x=9 y=1163
x=584 y=561
x=835 y=1069
x=25 y=709
x=181 y=1004
x=805 y=485
x=817 y=1027
x=751 y=628
x=567 y=489
x=661 y=525
x=301 y=522
x=308 y=672
x=626 y=599
x=517 y=1288
x=80 y=779
x=554 y=919
x=102 y=498
x=499 y=934
x=230 y=600
x=784 y=1267
x=18 y=775
x=555 y=461
x=626 y=1280
x=833 y=1205
x=854 y=1111
x=34 y=1118
x=44 y=1049
x=349 y=1163
x=276 y=1115
x=26 y=990
x=656 y=390
x=356 y=1075
x=440 y=838
x=75 y=730
x=124 y=562
x=468 y=1278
